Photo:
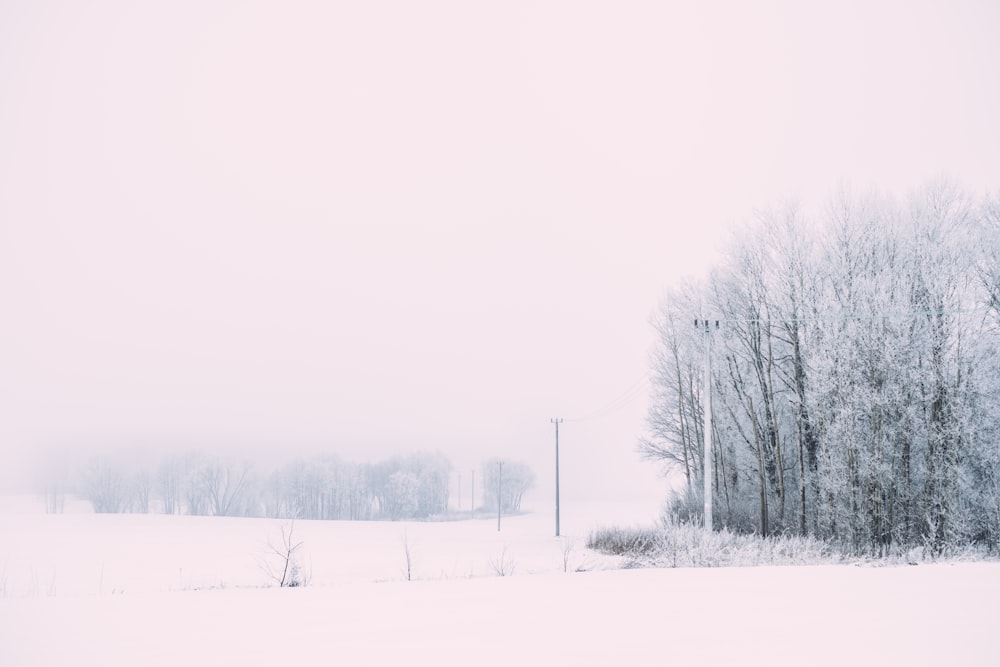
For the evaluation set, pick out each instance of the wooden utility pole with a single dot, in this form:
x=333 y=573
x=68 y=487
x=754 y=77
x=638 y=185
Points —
x=499 y=487
x=557 y=421
x=707 y=452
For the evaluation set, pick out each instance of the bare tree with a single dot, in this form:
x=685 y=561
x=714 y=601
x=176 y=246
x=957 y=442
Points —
x=407 y=557
x=988 y=264
x=281 y=563
x=220 y=486
x=56 y=481
x=142 y=486
x=105 y=487
x=675 y=419
x=402 y=495
x=517 y=480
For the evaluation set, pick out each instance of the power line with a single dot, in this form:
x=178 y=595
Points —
x=634 y=390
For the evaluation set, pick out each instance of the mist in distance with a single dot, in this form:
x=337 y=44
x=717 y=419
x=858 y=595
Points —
x=272 y=230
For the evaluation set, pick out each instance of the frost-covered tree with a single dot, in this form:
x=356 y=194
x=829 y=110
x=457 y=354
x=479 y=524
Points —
x=515 y=480
x=217 y=488
x=854 y=373
x=318 y=487
x=676 y=418
x=402 y=495
x=105 y=486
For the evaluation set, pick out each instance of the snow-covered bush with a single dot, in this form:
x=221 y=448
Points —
x=686 y=545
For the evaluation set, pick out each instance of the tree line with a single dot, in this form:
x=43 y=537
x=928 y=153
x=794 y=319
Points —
x=855 y=374
x=416 y=486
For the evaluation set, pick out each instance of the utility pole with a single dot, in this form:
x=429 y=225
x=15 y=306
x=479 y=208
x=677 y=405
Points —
x=473 y=503
x=499 y=487
x=459 y=490
x=557 y=421
x=707 y=452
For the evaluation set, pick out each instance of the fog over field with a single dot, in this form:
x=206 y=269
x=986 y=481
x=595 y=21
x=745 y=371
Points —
x=372 y=230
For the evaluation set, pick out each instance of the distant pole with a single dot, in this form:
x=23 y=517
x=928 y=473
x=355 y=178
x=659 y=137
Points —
x=459 y=490
x=499 y=486
x=557 y=421
x=473 y=503
x=707 y=451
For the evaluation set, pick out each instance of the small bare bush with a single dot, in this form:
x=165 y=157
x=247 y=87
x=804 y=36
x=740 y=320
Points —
x=281 y=563
x=503 y=564
x=407 y=557
x=568 y=547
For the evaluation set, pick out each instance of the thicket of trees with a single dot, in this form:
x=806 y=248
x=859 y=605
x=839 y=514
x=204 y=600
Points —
x=323 y=487
x=856 y=375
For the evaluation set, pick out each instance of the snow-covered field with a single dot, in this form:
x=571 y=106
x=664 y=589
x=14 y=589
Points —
x=115 y=590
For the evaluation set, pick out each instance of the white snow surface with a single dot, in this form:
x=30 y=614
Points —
x=116 y=590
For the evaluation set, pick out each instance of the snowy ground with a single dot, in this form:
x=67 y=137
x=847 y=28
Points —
x=82 y=589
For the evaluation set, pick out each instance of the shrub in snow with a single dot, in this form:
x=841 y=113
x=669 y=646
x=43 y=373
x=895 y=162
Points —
x=281 y=563
x=686 y=545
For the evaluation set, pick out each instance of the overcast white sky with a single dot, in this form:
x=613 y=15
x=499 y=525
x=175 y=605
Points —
x=377 y=227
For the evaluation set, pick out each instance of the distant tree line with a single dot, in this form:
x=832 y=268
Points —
x=855 y=374
x=322 y=487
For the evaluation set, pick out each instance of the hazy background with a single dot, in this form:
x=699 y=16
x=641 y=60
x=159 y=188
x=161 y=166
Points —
x=376 y=227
